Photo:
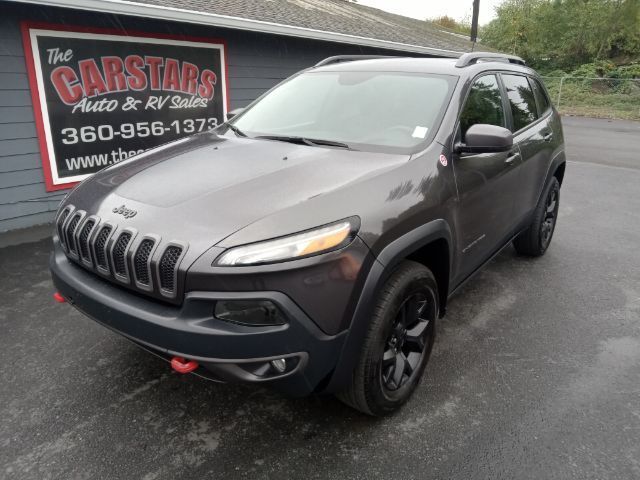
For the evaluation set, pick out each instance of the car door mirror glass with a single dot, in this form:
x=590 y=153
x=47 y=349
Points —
x=483 y=138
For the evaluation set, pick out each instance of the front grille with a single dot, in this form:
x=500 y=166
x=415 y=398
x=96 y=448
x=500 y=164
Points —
x=103 y=247
x=141 y=260
x=71 y=230
x=83 y=244
x=100 y=243
x=167 y=267
x=120 y=254
x=60 y=226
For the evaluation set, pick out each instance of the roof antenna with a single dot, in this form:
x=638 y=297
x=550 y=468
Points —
x=474 y=23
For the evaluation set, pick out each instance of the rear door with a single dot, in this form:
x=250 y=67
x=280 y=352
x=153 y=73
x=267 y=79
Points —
x=487 y=183
x=531 y=123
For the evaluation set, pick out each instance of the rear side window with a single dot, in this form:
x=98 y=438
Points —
x=541 y=96
x=483 y=105
x=521 y=100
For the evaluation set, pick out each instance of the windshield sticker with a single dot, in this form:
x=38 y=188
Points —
x=420 y=132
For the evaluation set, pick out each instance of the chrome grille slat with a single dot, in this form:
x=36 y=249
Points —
x=100 y=247
x=167 y=267
x=60 y=225
x=119 y=254
x=70 y=233
x=141 y=262
x=83 y=240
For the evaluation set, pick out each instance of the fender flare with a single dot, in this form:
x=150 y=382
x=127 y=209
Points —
x=381 y=268
x=558 y=160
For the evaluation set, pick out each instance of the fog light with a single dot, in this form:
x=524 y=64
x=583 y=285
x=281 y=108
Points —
x=249 y=312
x=280 y=365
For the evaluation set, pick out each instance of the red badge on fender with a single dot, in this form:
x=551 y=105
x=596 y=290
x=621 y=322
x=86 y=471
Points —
x=443 y=160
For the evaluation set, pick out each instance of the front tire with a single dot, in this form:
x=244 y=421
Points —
x=534 y=241
x=398 y=342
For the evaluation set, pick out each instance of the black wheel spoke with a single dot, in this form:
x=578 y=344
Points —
x=551 y=208
x=415 y=339
x=388 y=358
x=422 y=304
x=398 y=369
x=407 y=342
x=418 y=329
x=413 y=359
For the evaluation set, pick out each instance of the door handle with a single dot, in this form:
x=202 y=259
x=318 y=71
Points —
x=513 y=157
x=547 y=137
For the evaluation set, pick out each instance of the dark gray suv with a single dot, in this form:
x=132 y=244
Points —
x=312 y=241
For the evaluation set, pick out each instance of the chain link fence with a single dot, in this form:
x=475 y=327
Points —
x=595 y=96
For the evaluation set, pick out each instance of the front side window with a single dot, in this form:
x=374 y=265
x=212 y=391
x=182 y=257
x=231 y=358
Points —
x=521 y=100
x=362 y=109
x=483 y=105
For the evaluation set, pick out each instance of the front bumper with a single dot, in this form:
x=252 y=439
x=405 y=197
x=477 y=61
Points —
x=225 y=351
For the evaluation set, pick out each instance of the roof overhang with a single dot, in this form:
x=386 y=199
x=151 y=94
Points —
x=172 y=14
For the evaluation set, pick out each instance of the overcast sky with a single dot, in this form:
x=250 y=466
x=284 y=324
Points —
x=422 y=9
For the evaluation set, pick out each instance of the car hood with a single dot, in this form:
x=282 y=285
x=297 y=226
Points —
x=204 y=188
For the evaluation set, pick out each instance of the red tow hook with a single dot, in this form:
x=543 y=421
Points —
x=59 y=298
x=180 y=365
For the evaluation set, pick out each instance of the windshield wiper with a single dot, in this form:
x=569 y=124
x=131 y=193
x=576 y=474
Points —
x=314 y=142
x=235 y=129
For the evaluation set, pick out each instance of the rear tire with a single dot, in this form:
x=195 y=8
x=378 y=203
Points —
x=534 y=241
x=397 y=344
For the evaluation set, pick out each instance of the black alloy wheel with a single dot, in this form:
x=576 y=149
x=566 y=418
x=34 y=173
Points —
x=409 y=340
x=398 y=342
x=549 y=219
x=535 y=239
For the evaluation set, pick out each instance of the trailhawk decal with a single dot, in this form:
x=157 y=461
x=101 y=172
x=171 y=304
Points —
x=102 y=96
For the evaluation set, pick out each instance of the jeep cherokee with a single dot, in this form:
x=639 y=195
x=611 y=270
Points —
x=312 y=241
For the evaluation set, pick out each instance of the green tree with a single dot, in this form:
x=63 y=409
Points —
x=450 y=23
x=563 y=34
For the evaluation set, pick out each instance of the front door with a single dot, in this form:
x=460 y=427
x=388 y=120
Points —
x=487 y=183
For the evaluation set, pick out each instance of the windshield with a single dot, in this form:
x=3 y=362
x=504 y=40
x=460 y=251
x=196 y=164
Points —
x=359 y=109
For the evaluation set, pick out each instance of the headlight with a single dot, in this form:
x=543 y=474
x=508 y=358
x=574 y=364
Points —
x=291 y=247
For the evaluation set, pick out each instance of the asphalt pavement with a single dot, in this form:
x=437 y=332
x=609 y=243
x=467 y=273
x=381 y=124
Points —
x=535 y=372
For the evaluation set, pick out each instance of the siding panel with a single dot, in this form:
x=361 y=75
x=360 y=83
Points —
x=15 y=210
x=256 y=83
x=260 y=72
x=16 y=114
x=14 y=81
x=19 y=146
x=15 y=98
x=12 y=64
x=21 y=177
x=11 y=131
x=11 y=46
x=13 y=163
x=22 y=193
x=27 y=221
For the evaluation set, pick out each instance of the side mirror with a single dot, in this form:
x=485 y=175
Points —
x=482 y=138
x=234 y=112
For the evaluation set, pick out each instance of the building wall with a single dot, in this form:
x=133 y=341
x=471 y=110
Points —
x=256 y=62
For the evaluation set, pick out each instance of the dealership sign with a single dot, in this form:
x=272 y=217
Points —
x=103 y=96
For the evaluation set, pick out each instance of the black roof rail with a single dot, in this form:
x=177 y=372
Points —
x=349 y=58
x=472 y=58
